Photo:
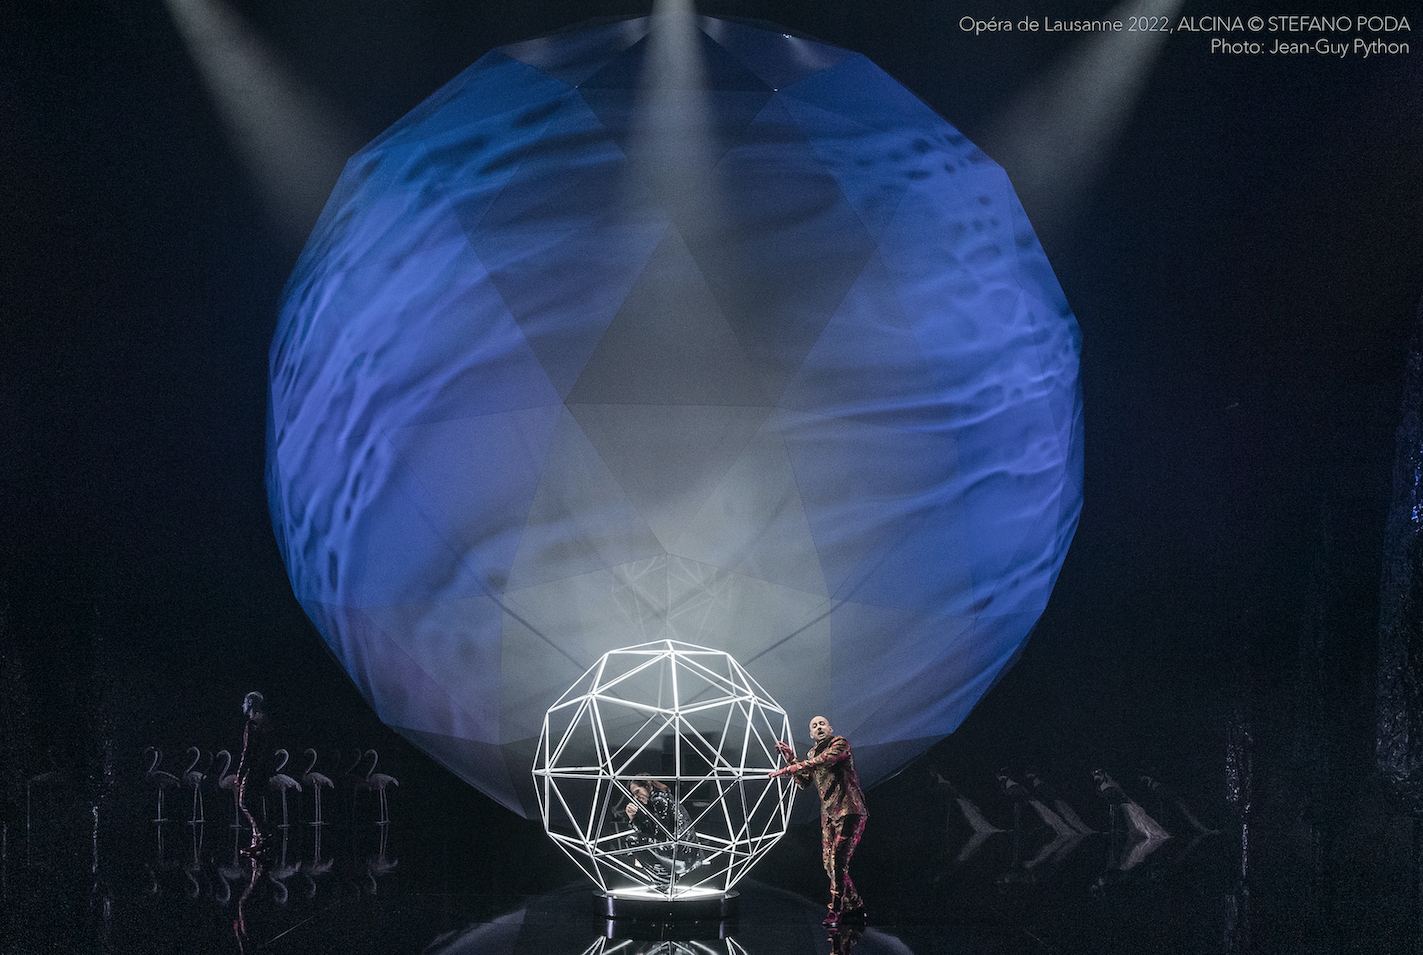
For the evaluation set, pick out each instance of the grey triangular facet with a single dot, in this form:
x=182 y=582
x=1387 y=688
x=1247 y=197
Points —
x=878 y=536
x=874 y=168
x=573 y=56
x=668 y=459
x=794 y=252
x=581 y=519
x=544 y=277
x=502 y=454
x=778 y=59
x=566 y=178
x=754 y=521
x=669 y=343
x=867 y=363
x=447 y=640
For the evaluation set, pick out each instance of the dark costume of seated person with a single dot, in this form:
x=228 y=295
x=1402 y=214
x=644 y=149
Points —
x=657 y=821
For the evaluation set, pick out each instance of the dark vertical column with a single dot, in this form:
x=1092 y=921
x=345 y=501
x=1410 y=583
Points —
x=102 y=773
x=1324 y=734
x=1239 y=779
x=1399 y=745
x=16 y=745
x=11 y=709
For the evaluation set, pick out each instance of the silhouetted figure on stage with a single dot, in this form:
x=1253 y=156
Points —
x=253 y=770
x=831 y=767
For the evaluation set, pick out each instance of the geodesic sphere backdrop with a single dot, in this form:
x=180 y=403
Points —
x=528 y=405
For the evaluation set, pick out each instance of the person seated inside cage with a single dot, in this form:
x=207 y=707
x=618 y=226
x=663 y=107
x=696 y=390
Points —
x=655 y=820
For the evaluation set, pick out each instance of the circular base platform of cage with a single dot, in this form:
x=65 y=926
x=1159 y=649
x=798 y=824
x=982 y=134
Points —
x=624 y=908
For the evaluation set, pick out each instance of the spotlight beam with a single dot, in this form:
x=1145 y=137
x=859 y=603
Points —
x=671 y=151
x=286 y=137
x=1056 y=138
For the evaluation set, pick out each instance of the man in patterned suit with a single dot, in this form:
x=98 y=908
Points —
x=831 y=768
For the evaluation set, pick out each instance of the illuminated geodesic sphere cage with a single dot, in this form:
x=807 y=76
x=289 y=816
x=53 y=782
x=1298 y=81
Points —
x=693 y=730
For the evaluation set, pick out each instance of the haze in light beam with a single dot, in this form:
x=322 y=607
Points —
x=1055 y=139
x=671 y=149
x=289 y=140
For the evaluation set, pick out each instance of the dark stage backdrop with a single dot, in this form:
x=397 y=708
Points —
x=1243 y=252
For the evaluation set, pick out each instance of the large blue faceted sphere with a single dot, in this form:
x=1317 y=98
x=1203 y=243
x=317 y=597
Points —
x=780 y=370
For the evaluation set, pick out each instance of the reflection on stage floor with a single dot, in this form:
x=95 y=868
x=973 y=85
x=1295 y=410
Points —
x=996 y=868
x=1029 y=858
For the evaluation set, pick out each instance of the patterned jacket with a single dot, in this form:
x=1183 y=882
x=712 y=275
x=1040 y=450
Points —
x=831 y=767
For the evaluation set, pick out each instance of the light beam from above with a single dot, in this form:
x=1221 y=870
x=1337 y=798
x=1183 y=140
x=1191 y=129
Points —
x=670 y=149
x=1056 y=138
x=287 y=137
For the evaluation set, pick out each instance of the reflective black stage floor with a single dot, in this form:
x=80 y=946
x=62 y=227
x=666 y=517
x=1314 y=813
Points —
x=944 y=869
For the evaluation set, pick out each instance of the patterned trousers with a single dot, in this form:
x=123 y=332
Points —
x=838 y=839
